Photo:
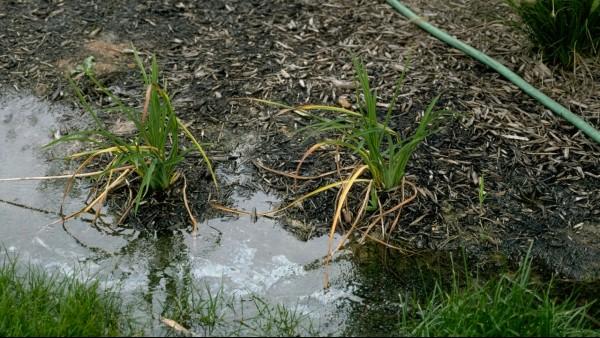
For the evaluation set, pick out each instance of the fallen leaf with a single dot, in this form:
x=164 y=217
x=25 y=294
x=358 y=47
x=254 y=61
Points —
x=175 y=326
x=344 y=103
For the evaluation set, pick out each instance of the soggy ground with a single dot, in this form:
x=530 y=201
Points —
x=543 y=177
x=242 y=257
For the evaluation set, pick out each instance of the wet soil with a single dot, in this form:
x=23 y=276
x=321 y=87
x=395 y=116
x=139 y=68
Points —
x=541 y=174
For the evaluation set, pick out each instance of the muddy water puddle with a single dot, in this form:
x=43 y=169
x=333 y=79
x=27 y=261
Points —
x=239 y=255
x=29 y=206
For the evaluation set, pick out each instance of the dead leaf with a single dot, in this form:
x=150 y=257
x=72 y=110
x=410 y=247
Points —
x=176 y=326
x=344 y=103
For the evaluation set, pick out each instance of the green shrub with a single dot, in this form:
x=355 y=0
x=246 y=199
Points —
x=563 y=30
x=384 y=151
x=151 y=155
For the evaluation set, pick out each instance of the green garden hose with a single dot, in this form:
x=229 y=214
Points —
x=556 y=107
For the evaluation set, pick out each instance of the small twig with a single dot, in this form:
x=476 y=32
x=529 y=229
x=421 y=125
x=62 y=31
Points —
x=306 y=154
x=29 y=207
x=128 y=205
x=296 y=176
x=393 y=226
x=187 y=206
x=59 y=177
x=70 y=181
x=268 y=214
x=357 y=219
x=102 y=196
x=272 y=213
x=381 y=216
x=388 y=245
x=90 y=205
x=343 y=197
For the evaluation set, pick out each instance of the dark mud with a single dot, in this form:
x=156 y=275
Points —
x=542 y=176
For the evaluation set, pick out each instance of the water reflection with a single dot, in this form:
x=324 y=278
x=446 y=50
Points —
x=234 y=254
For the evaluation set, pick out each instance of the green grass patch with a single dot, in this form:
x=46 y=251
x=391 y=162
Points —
x=200 y=311
x=511 y=305
x=563 y=30
x=35 y=303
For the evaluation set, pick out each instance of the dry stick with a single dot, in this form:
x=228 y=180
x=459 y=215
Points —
x=293 y=175
x=99 y=199
x=129 y=205
x=187 y=207
x=69 y=185
x=59 y=177
x=398 y=206
x=40 y=178
x=394 y=223
x=336 y=157
x=285 y=107
x=29 y=208
x=100 y=202
x=381 y=213
x=357 y=219
x=118 y=181
x=272 y=213
x=306 y=154
x=338 y=210
x=91 y=193
x=371 y=225
x=393 y=226
x=241 y=212
x=404 y=202
x=404 y=251
x=97 y=214
x=70 y=181
x=102 y=196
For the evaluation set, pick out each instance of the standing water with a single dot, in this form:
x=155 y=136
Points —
x=240 y=257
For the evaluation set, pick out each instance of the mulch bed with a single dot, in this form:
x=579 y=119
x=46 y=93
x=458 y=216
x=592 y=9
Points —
x=542 y=175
